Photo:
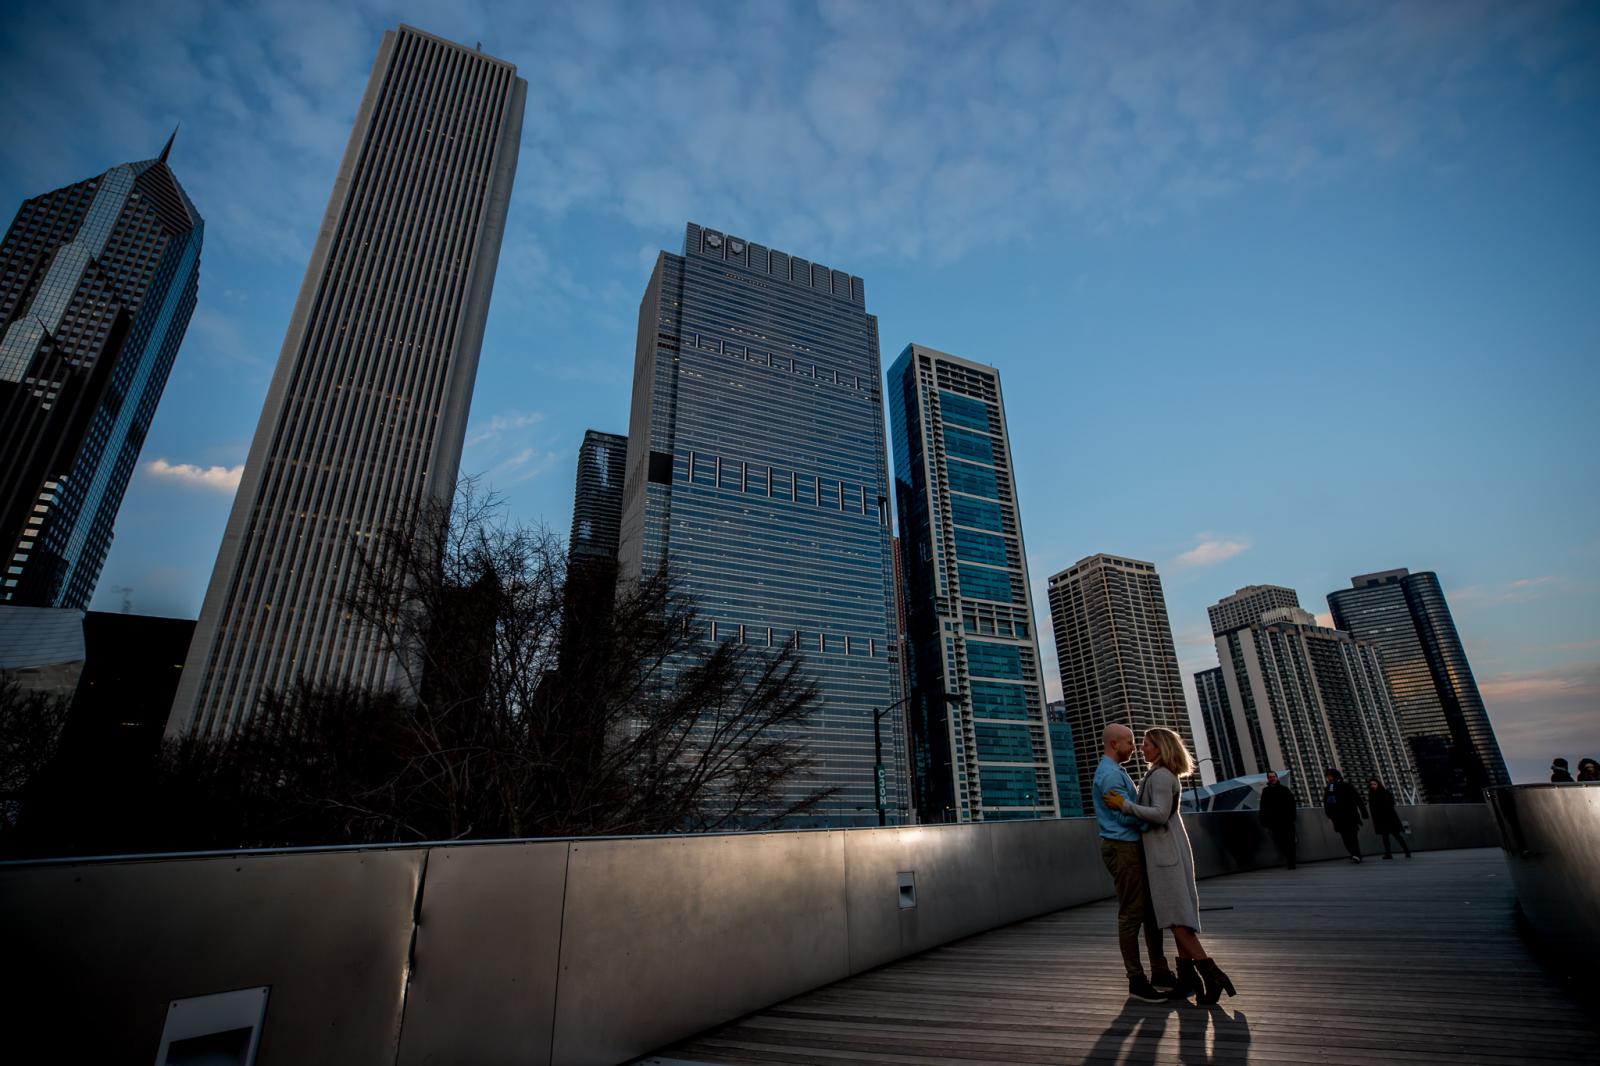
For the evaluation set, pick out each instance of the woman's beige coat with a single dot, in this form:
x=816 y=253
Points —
x=1167 y=858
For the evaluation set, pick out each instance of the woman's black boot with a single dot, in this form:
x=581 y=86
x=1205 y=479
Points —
x=1188 y=980
x=1216 y=982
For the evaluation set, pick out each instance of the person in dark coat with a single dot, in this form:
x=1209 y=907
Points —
x=1345 y=809
x=1277 y=816
x=1559 y=774
x=1385 y=820
x=1588 y=770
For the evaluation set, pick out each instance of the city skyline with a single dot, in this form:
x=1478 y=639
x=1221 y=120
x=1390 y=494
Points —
x=1211 y=277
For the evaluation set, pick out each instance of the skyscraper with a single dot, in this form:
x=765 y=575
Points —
x=757 y=476
x=969 y=611
x=367 y=410
x=1246 y=606
x=597 y=496
x=1216 y=715
x=1303 y=698
x=1118 y=663
x=1436 y=700
x=1064 y=753
x=97 y=283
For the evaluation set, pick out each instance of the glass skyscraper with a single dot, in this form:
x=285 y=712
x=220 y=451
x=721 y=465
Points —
x=1216 y=714
x=367 y=410
x=757 y=476
x=1063 y=752
x=1436 y=700
x=97 y=283
x=597 y=496
x=969 y=612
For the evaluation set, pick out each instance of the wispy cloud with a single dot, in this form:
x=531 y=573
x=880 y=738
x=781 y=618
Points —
x=1538 y=714
x=501 y=425
x=1210 y=551
x=1520 y=590
x=525 y=465
x=216 y=478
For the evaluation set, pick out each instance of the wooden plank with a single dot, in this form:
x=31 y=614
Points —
x=1388 y=962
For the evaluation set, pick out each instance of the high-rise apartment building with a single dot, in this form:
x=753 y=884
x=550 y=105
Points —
x=969 y=611
x=1436 y=699
x=757 y=475
x=366 y=413
x=1117 y=660
x=1216 y=715
x=97 y=283
x=1246 y=606
x=1303 y=698
x=597 y=496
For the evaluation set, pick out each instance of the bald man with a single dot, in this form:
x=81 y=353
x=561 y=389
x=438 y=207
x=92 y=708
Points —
x=1123 y=855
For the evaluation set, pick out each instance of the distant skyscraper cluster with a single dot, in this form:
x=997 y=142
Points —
x=755 y=472
x=1386 y=692
x=97 y=284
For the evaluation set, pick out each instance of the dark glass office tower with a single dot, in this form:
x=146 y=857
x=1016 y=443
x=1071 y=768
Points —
x=969 y=611
x=367 y=410
x=97 y=283
x=1217 y=716
x=1436 y=700
x=597 y=496
x=1064 y=754
x=757 y=475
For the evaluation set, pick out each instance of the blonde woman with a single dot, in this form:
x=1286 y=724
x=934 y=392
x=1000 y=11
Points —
x=1170 y=862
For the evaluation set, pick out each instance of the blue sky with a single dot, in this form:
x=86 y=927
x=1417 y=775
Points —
x=1279 y=292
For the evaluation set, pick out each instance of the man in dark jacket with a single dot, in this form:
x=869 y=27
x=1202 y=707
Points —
x=1342 y=804
x=1277 y=816
x=1385 y=820
x=1559 y=774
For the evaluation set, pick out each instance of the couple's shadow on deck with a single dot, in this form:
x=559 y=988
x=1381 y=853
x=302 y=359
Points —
x=1207 y=1036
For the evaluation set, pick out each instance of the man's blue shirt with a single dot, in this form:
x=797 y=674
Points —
x=1114 y=825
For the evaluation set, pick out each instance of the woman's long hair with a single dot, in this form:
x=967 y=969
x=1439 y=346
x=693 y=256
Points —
x=1170 y=751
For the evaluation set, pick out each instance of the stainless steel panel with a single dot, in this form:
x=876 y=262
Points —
x=665 y=937
x=1551 y=836
x=954 y=867
x=483 y=974
x=97 y=950
x=1040 y=867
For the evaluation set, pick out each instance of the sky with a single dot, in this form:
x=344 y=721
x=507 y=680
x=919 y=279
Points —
x=1279 y=293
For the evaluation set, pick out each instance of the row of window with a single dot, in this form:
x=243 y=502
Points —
x=740 y=476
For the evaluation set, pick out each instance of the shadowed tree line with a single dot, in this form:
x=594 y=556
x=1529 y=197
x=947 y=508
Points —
x=529 y=698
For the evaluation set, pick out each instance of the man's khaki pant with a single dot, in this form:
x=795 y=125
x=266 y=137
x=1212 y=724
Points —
x=1124 y=860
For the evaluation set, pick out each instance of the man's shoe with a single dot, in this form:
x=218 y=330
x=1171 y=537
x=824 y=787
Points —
x=1164 y=979
x=1140 y=988
x=1355 y=858
x=1388 y=856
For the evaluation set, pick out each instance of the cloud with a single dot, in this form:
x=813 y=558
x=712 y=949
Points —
x=500 y=425
x=1520 y=590
x=1325 y=620
x=1538 y=714
x=217 y=478
x=526 y=465
x=1210 y=551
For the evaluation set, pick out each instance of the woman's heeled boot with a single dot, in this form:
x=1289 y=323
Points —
x=1216 y=982
x=1188 y=980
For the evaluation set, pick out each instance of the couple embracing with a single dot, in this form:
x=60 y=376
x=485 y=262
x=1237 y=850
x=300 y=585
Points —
x=1146 y=850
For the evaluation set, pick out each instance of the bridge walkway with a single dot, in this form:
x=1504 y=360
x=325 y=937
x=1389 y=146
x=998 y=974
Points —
x=1408 y=961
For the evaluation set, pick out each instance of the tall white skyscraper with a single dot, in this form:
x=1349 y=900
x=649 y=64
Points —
x=368 y=406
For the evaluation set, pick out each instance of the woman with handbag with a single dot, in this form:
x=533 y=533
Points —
x=1170 y=862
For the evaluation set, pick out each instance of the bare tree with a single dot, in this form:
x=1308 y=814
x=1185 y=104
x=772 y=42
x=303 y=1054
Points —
x=31 y=724
x=529 y=699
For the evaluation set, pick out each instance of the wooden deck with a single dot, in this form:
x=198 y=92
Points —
x=1413 y=961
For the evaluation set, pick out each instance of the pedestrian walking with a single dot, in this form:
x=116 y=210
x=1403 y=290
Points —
x=1277 y=816
x=1588 y=770
x=1119 y=849
x=1344 y=808
x=1559 y=774
x=1385 y=819
x=1170 y=862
